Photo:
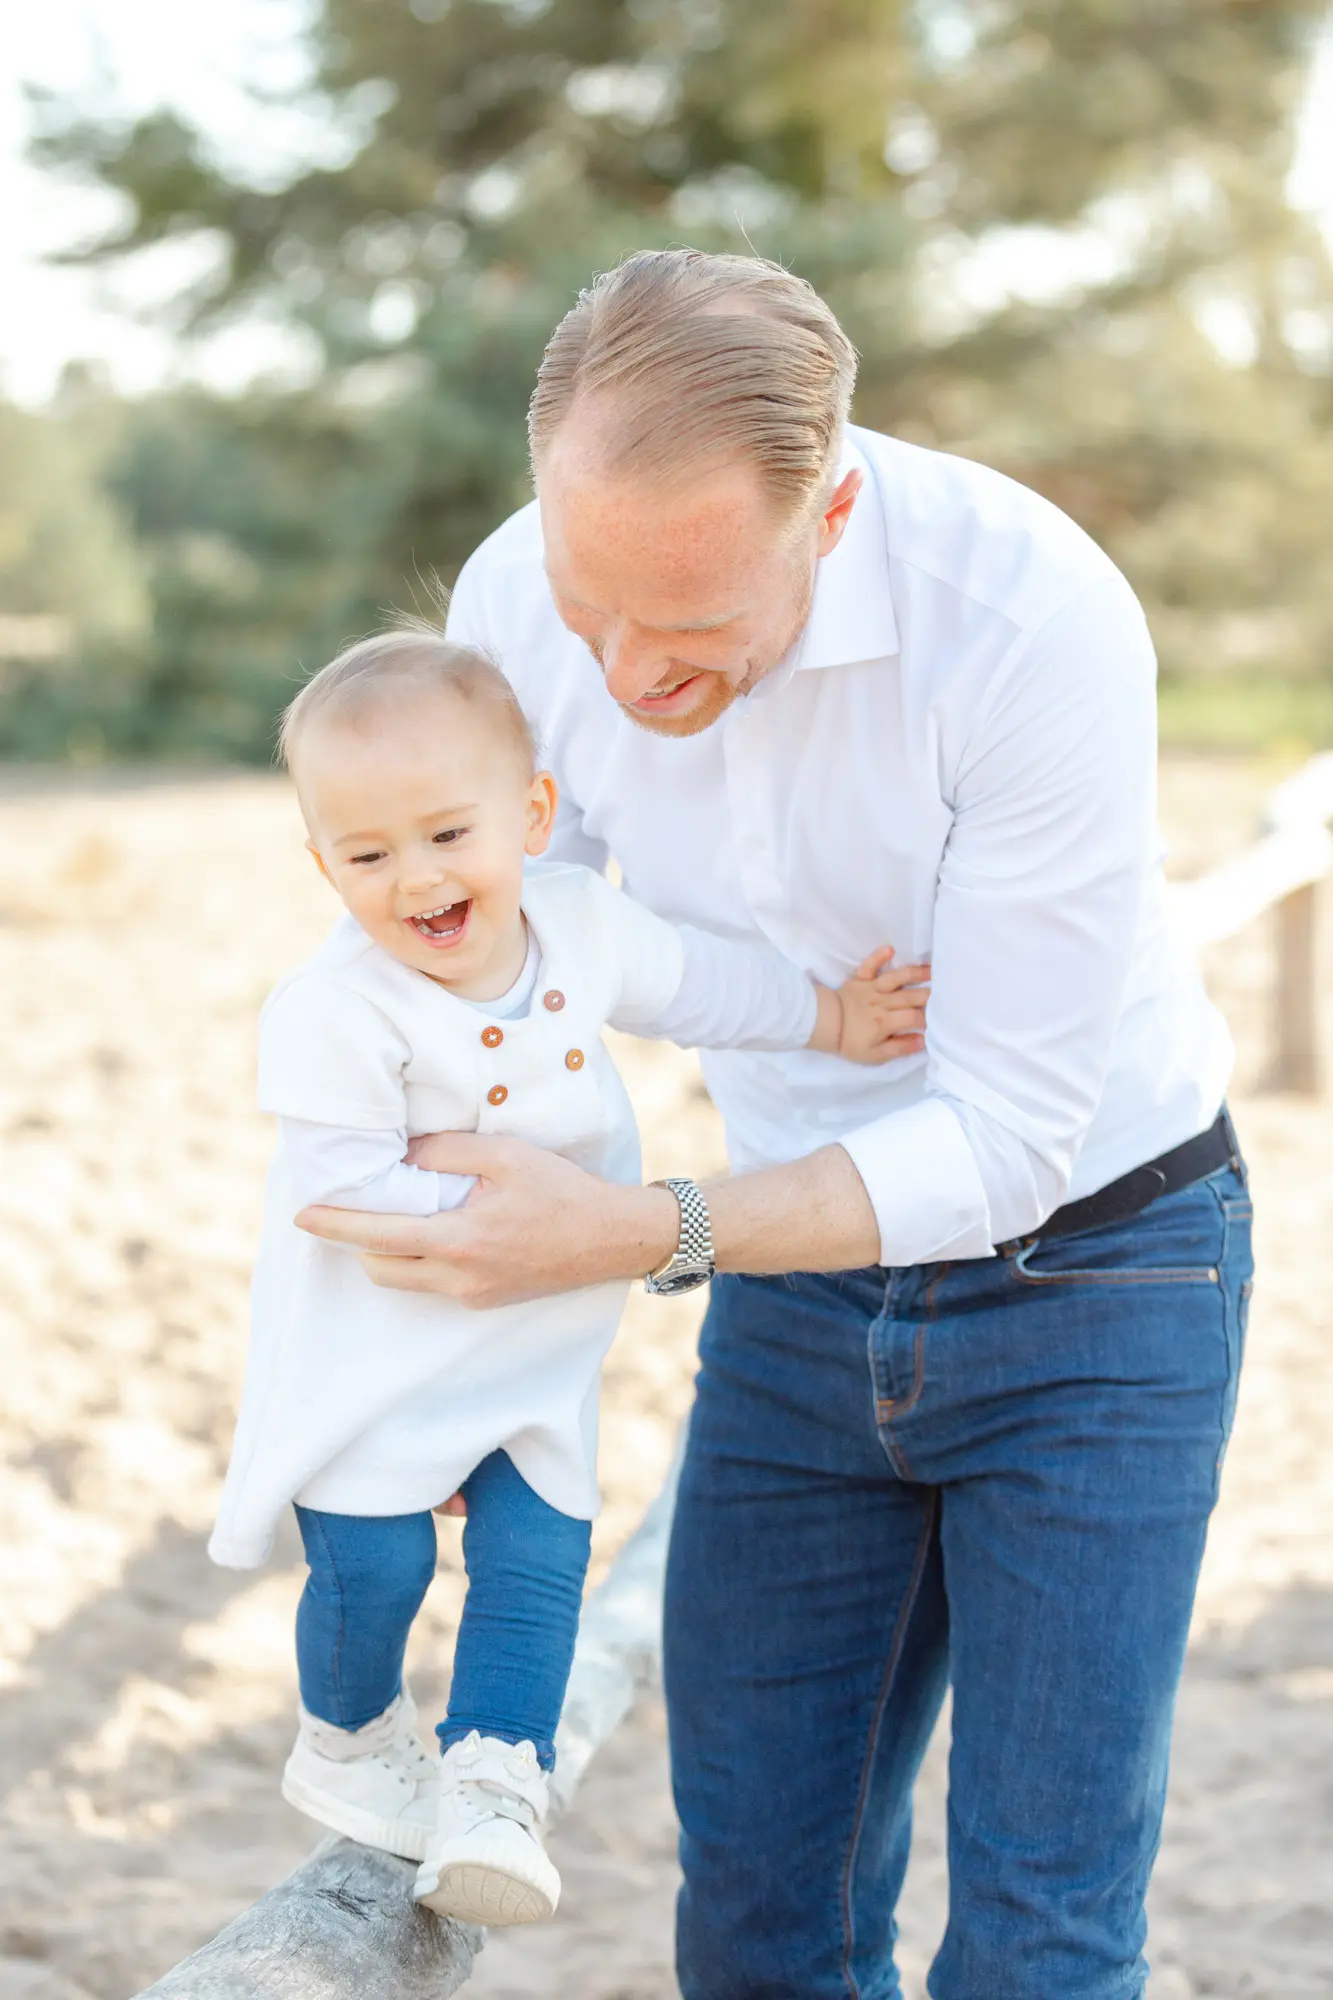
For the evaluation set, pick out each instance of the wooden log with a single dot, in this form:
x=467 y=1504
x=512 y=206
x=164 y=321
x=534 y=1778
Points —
x=1296 y=1063
x=343 y=1925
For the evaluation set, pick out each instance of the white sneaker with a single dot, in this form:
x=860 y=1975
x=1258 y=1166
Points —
x=486 y=1863
x=375 y=1784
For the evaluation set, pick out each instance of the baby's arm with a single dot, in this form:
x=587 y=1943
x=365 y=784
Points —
x=331 y=1069
x=338 y=1167
x=705 y=991
x=878 y=1015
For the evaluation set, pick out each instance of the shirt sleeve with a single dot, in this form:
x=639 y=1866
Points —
x=734 y=994
x=329 y=1055
x=344 y=1168
x=1037 y=908
x=691 y=986
x=468 y=624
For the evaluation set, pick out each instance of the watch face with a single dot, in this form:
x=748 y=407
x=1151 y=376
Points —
x=683 y=1281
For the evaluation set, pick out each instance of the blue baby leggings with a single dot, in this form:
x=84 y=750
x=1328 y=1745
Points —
x=526 y=1566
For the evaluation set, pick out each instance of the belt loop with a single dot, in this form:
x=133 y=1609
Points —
x=1237 y=1157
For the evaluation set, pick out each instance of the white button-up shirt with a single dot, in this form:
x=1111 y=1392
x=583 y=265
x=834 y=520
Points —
x=958 y=758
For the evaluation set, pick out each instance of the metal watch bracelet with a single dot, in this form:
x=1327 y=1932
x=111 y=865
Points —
x=691 y=1262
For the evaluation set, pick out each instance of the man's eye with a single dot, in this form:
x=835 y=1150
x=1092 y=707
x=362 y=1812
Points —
x=449 y=833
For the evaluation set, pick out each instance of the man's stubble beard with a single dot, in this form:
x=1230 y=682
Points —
x=718 y=698
x=723 y=692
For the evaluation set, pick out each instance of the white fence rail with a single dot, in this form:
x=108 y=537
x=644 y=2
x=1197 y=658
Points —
x=1282 y=872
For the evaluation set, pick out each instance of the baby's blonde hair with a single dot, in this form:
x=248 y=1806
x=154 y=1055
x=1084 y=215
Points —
x=697 y=358
x=369 y=672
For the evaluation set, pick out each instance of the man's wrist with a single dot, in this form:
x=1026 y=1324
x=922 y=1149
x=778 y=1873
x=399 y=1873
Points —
x=813 y=1214
x=648 y=1230
x=690 y=1263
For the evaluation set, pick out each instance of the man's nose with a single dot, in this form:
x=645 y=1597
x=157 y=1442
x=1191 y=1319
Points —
x=631 y=664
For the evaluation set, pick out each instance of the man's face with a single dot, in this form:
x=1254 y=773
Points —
x=686 y=595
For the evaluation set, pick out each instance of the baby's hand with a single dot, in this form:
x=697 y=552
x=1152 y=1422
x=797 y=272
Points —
x=876 y=1016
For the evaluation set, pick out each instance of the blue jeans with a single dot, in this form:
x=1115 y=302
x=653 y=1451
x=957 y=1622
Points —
x=526 y=1565
x=994 y=1474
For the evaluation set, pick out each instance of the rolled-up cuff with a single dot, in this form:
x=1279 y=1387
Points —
x=925 y=1185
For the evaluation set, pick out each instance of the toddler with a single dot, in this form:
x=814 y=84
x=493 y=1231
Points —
x=465 y=989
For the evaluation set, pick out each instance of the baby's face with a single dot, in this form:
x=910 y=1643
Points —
x=420 y=812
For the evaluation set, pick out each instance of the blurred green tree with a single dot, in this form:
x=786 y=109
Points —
x=66 y=552
x=73 y=582
x=1039 y=219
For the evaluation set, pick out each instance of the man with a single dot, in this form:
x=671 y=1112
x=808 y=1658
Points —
x=968 y=1375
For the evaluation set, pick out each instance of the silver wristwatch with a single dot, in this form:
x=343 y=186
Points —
x=691 y=1262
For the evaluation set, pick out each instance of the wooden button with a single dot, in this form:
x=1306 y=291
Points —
x=574 y=1060
x=554 y=1000
x=496 y=1094
x=492 y=1037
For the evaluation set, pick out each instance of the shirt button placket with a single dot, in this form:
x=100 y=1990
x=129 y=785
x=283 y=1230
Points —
x=749 y=783
x=491 y=1038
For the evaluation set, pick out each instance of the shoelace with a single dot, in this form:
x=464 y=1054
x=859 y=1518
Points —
x=423 y=1765
x=486 y=1799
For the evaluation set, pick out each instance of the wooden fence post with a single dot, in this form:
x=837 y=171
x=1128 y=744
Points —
x=1281 y=872
x=1296 y=1064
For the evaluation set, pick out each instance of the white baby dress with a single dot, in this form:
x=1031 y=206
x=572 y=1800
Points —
x=363 y=1400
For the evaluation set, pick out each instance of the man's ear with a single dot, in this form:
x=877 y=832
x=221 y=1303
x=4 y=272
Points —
x=833 y=521
x=543 y=799
x=319 y=862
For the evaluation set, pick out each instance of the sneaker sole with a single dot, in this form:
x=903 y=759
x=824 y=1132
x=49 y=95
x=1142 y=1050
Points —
x=405 y=1838
x=475 y=1894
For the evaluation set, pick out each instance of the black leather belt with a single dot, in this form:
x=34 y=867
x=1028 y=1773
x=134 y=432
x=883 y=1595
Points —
x=1167 y=1174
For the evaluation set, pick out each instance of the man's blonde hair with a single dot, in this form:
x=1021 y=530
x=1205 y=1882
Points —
x=373 y=670
x=691 y=358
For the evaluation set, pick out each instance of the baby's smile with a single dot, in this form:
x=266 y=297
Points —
x=443 y=926
x=423 y=809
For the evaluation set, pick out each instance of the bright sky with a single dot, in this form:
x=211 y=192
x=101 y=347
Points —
x=136 y=54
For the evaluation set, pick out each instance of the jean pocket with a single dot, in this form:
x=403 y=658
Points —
x=1115 y=1273
x=1179 y=1240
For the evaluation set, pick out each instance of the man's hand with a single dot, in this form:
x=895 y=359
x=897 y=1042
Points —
x=876 y=1016
x=533 y=1225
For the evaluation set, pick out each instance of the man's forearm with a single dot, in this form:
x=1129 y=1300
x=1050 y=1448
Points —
x=812 y=1215
x=537 y=1224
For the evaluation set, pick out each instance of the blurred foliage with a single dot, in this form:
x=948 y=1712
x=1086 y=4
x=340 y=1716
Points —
x=66 y=553
x=496 y=152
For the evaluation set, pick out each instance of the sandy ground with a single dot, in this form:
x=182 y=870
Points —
x=145 y=1698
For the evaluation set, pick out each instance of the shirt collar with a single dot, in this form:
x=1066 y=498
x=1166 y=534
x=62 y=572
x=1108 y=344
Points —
x=851 y=612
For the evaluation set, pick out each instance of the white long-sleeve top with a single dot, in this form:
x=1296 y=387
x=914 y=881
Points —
x=957 y=757
x=360 y=1400
x=726 y=997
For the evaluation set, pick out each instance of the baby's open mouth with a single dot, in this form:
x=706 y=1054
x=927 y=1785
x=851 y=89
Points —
x=441 y=926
